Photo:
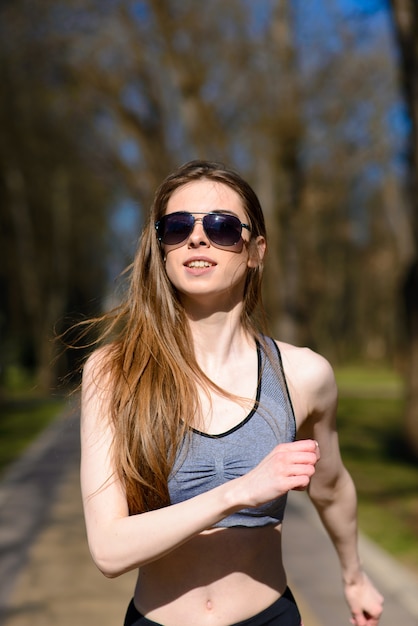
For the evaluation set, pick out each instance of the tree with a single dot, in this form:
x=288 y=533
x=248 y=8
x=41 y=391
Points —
x=106 y=97
x=405 y=17
x=53 y=206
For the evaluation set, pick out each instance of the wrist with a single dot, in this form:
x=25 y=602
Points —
x=234 y=495
x=353 y=575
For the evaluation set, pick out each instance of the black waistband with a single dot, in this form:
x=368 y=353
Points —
x=283 y=612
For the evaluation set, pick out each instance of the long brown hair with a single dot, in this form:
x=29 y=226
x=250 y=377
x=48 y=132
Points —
x=153 y=370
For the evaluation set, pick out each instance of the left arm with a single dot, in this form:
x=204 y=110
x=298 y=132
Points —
x=331 y=488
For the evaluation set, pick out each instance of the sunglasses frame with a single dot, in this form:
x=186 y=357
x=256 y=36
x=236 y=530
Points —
x=218 y=214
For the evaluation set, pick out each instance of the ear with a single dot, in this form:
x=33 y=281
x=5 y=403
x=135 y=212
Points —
x=256 y=251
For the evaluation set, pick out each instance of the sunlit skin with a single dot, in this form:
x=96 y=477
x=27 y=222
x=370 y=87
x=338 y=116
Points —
x=188 y=572
x=221 y=285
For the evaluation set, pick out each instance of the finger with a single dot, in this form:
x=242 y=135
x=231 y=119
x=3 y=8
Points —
x=294 y=457
x=307 y=445
x=359 y=619
x=299 y=462
x=301 y=470
x=303 y=458
x=298 y=483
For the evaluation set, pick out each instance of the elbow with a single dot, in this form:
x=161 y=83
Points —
x=109 y=572
x=107 y=567
x=106 y=564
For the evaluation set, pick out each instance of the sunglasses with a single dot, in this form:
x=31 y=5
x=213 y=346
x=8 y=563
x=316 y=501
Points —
x=221 y=229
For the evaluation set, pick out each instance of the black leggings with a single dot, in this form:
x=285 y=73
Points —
x=283 y=612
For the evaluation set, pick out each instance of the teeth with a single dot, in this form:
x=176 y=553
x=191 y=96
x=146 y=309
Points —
x=199 y=264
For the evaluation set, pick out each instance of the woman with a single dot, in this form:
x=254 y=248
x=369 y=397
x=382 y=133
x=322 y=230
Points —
x=195 y=425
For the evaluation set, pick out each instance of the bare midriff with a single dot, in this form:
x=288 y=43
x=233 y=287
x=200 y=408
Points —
x=220 y=577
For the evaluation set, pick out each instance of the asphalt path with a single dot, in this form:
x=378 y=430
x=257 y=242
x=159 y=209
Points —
x=47 y=577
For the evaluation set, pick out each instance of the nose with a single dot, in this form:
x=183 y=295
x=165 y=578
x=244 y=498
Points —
x=198 y=236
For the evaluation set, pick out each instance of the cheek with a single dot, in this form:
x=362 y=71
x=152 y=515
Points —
x=237 y=269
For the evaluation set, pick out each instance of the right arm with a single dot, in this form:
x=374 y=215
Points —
x=119 y=542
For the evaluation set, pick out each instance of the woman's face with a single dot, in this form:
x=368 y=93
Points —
x=203 y=271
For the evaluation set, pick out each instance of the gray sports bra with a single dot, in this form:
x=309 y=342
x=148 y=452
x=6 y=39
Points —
x=207 y=461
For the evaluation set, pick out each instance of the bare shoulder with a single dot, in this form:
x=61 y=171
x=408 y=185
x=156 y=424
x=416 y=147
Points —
x=310 y=377
x=96 y=367
x=98 y=357
x=96 y=383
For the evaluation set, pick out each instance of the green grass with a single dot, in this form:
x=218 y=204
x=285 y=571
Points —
x=386 y=476
x=373 y=381
x=21 y=420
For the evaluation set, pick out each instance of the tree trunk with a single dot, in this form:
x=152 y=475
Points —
x=405 y=17
x=281 y=183
x=411 y=411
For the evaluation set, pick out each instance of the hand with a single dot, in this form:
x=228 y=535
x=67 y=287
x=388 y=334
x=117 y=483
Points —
x=365 y=602
x=288 y=466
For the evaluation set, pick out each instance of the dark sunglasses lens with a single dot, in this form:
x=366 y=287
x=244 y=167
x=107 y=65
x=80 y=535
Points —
x=175 y=228
x=223 y=230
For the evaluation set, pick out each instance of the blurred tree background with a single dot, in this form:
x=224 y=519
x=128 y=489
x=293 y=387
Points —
x=316 y=104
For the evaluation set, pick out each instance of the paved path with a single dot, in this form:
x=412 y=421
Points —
x=47 y=577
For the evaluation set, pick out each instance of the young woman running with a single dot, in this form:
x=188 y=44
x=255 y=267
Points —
x=196 y=425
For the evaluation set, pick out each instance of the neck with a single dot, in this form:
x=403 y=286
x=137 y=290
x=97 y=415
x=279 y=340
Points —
x=218 y=338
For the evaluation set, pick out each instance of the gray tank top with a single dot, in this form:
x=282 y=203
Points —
x=207 y=461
